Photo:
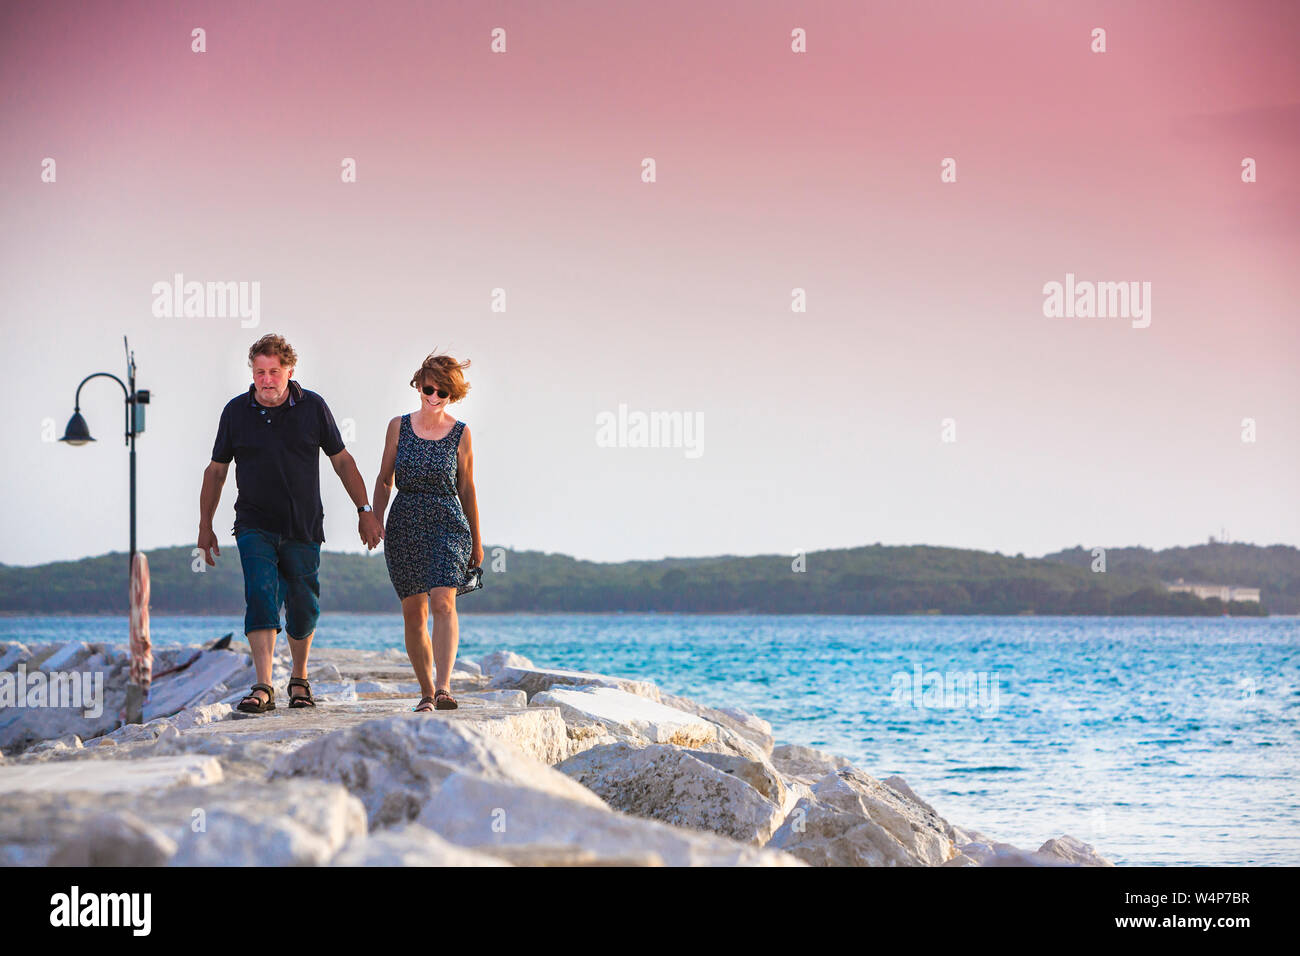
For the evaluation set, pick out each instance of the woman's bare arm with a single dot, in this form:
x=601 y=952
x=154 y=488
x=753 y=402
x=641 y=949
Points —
x=384 y=482
x=468 y=497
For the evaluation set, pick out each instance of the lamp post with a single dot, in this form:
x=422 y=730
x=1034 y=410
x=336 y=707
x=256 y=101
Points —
x=78 y=433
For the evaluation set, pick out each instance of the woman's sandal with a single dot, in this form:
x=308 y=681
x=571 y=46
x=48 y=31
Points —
x=257 y=705
x=301 y=700
x=424 y=706
x=443 y=700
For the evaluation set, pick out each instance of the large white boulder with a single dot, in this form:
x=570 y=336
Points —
x=623 y=714
x=12 y=654
x=806 y=764
x=491 y=663
x=753 y=728
x=119 y=838
x=207 y=679
x=534 y=680
x=1073 y=850
x=409 y=845
x=526 y=825
x=662 y=782
x=143 y=775
x=303 y=823
x=237 y=822
x=395 y=764
x=852 y=819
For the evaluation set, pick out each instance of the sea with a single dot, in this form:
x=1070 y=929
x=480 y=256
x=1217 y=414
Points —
x=1160 y=741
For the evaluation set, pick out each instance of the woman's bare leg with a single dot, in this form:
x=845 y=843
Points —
x=415 y=614
x=446 y=633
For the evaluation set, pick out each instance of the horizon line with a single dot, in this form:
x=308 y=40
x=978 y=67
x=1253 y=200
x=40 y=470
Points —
x=876 y=544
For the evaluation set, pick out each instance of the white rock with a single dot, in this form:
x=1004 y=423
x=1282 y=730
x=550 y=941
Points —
x=119 y=838
x=730 y=743
x=394 y=688
x=534 y=680
x=662 y=782
x=193 y=686
x=806 y=764
x=506 y=698
x=41 y=651
x=67 y=742
x=759 y=774
x=754 y=729
x=409 y=845
x=394 y=764
x=1004 y=854
x=143 y=774
x=523 y=824
x=200 y=716
x=1073 y=850
x=66 y=656
x=625 y=714
x=899 y=785
x=304 y=823
x=343 y=690
x=22 y=726
x=491 y=663
x=852 y=819
x=13 y=654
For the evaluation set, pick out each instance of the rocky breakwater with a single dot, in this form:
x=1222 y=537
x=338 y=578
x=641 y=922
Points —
x=538 y=766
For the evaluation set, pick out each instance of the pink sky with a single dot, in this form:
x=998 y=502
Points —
x=775 y=171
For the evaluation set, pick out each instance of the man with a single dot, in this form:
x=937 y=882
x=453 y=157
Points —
x=275 y=432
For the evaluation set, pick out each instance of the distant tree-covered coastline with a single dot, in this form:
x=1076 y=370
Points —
x=874 y=579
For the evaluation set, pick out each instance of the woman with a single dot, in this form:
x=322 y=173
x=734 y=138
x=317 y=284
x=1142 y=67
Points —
x=431 y=538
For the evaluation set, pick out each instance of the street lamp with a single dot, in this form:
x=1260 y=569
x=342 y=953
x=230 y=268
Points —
x=78 y=433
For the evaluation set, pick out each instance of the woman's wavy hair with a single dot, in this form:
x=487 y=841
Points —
x=444 y=372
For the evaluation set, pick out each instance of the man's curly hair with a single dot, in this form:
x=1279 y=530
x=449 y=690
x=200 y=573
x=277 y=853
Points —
x=275 y=346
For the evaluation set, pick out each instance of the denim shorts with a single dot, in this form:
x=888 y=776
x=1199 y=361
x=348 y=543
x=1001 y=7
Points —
x=279 y=571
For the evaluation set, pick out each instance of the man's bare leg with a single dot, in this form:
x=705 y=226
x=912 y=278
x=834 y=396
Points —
x=262 y=644
x=299 y=649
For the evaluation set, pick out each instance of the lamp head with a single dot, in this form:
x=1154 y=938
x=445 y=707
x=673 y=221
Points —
x=77 y=432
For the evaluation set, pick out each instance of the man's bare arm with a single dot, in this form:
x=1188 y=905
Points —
x=214 y=477
x=368 y=526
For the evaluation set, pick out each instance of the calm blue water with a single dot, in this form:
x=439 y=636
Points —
x=1158 y=740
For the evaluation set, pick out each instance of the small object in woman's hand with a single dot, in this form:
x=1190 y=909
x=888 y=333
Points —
x=473 y=580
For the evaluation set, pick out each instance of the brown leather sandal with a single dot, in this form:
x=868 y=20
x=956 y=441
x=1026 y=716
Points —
x=301 y=700
x=443 y=700
x=258 y=706
x=424 y=706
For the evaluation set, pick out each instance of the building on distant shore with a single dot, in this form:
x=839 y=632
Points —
x=1224 y=592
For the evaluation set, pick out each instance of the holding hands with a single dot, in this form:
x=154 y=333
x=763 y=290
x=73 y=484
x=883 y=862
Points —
x=371 y=530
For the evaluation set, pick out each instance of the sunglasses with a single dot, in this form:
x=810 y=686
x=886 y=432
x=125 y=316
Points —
x=429 y=390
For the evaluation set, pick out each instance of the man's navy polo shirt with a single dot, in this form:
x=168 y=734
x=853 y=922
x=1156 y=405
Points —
x=277 y=461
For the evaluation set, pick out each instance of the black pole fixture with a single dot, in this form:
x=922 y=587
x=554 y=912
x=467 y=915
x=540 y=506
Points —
x=78 y=432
